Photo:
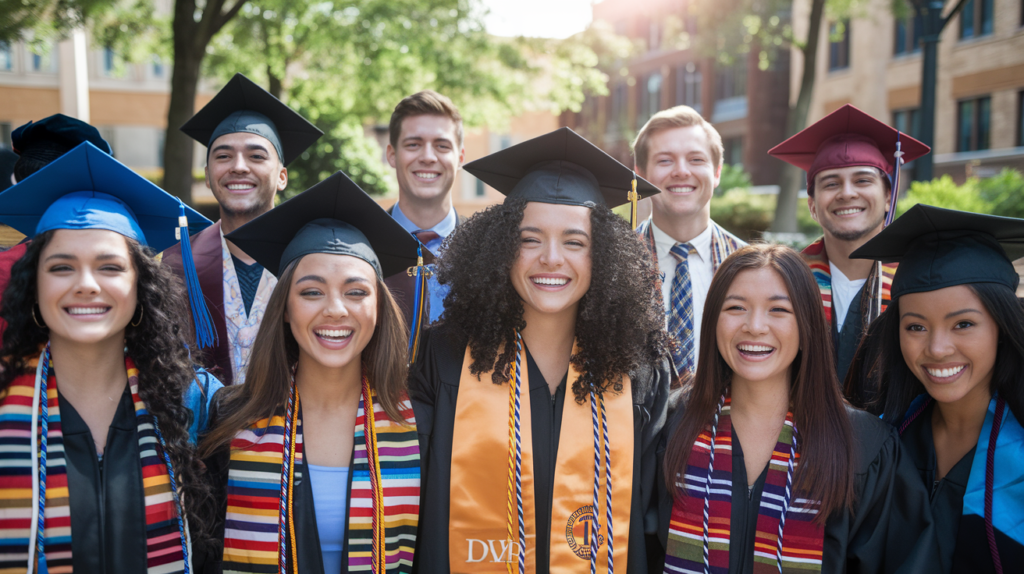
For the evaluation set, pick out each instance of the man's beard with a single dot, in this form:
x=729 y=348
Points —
x=251 y=211
x=853 y=235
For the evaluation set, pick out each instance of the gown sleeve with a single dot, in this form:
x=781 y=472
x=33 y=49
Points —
x=890 y=524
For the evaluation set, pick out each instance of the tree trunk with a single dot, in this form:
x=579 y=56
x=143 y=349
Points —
x=188 y=58
x=276 y=85
x=790 y=182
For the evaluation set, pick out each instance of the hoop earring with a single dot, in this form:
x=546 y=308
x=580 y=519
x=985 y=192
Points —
x=141 y=314
x=35 y=320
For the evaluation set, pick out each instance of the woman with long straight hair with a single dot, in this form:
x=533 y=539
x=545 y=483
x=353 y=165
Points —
x=950 y=353
x=98 y=474
x=315 y=457
x=545 y=385
x=766 y=468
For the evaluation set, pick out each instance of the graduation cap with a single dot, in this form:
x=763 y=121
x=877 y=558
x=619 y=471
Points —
x=57 y=129
x=939 y=248
x=86 y=188
x=845 y=138
x=563 y=168
x=243 y=106
x=334 y=216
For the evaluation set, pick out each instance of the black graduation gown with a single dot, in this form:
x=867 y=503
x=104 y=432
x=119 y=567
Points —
x=876 y=537
x=434 y=390
x=847 y=340
x=957 y=551
x=108 y=505
x=307 y=536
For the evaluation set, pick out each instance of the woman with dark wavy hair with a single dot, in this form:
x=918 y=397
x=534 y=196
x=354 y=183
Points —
x=541 y=393
x=816 y=485
x=100 y=475
x=950 y=353
x=322 y=433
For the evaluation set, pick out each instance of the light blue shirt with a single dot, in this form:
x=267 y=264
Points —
x=330 y=501
x=198 y=398
x=443 y=230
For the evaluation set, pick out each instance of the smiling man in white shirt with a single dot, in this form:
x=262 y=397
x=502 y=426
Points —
x=681 y=153
x=851 y=160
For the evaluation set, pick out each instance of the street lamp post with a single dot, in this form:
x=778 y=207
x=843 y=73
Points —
x=933 y=25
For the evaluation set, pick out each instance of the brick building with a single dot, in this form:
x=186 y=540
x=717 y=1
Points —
x=664 y=75
x=875 y=64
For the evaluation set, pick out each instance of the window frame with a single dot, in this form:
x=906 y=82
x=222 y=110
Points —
x=839 y=51
x=980 y=112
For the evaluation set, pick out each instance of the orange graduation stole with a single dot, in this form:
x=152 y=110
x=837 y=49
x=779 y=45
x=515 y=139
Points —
x=485 y=532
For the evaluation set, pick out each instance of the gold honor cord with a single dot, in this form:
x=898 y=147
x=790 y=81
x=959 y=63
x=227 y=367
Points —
x=291 y=483
x=633 y=197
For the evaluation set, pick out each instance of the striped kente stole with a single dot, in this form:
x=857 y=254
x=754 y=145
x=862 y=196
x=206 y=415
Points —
x=817 y=259
x=163 y=528
x=700 y=532
x=252 y=531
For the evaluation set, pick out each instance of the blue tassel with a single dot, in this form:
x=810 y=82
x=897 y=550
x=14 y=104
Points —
x=206 y=334
x=421 y=274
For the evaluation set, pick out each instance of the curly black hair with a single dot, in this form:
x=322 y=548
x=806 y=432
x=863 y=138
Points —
x=620 y=326
x=157 y=346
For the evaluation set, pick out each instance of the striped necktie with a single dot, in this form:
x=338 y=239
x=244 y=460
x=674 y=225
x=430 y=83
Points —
x=680 y=319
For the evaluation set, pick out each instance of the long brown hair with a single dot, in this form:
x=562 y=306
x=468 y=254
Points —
x=826 y=438
x=275 y=351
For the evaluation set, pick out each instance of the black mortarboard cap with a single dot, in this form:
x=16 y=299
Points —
x=559 y=167
x=334 y=216
x=243 y=106
x=939 y=248
x=57 y=129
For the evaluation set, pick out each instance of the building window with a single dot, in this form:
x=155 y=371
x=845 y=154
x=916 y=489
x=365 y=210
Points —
x=733 y=151
x=650 y=99
x=731 y=81
x=976 y=19
x=6 y=57
x=5 y=135
x=839 y=45
x=479 y=188
x=42 y=59
x=109 y=62
x=906 y=121
x=908 y=35
x=973 y=124
x=158 y=67
x=1020 y=119
x=689 y=84
x=617 y=114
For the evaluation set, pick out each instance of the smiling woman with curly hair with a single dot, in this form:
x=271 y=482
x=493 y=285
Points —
x=99 y=474
x=550 y=365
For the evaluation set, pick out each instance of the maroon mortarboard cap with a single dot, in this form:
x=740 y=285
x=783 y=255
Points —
x=845 y=138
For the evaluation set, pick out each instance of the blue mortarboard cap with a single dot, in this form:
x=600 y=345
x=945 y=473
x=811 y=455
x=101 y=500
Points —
x=88 y=169
x=88 y=189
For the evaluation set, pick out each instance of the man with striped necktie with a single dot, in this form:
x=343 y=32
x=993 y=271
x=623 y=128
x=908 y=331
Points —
x=681 y=153
x=426 y=151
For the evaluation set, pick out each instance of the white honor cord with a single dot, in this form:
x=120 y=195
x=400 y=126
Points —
x=34 y=446
x=878 y=279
